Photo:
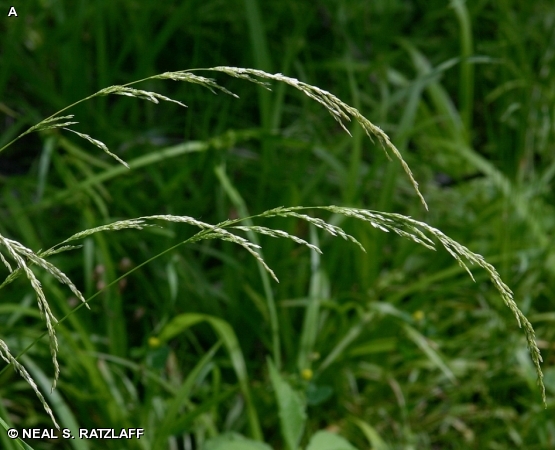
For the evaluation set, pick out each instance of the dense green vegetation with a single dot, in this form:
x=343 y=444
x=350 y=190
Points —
x=396 y=348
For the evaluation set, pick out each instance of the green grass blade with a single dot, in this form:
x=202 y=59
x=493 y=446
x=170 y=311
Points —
x=339 y=349
x=432 y=354
x=163 y=430
x=224 y=141
x=7 y=443
x=466 y=82
x=261 y=54
x=183 y=322
x=63 y=412
x=239 y=203
x=319 y=290
x=374 y=438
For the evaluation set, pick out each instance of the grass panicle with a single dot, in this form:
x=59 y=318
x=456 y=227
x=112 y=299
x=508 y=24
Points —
x=189 y=77
x=406 y=227
x=14 y=250
x=8 y=357
x=153 y=97
x=338 y=109
x=277 y=234
x=50 y=124
x=100 y=145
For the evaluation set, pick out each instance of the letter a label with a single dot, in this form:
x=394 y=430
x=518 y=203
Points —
x=12 y=12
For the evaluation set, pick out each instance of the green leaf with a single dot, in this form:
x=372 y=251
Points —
x=432 y=354
x=291 y=407
x=17 y=441
x=318 y=394
x=234 y=441
x=157 y=357
x=59 y=405
x=324 y=440
x=371 y=434
x=168 y=423
x=184 y=321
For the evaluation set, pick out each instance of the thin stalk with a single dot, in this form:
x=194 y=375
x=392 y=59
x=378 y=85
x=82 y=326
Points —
x=353 y=182
x=30 y=130
x=312 y=314
x=271 y=303
x=466 y=82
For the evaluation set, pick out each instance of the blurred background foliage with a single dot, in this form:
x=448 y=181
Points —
x=406 y=344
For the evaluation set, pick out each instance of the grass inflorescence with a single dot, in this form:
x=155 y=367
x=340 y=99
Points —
x=13 y=252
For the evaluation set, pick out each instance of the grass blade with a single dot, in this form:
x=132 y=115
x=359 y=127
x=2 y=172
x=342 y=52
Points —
x=184 y=321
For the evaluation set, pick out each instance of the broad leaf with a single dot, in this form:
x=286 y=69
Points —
x=291 y=409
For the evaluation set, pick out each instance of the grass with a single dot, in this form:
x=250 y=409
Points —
x=400 y=337
x=401 y=225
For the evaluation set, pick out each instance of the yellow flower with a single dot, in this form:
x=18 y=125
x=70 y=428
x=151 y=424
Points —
x=418 y=315
x=154 y=342
x=307 y=374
